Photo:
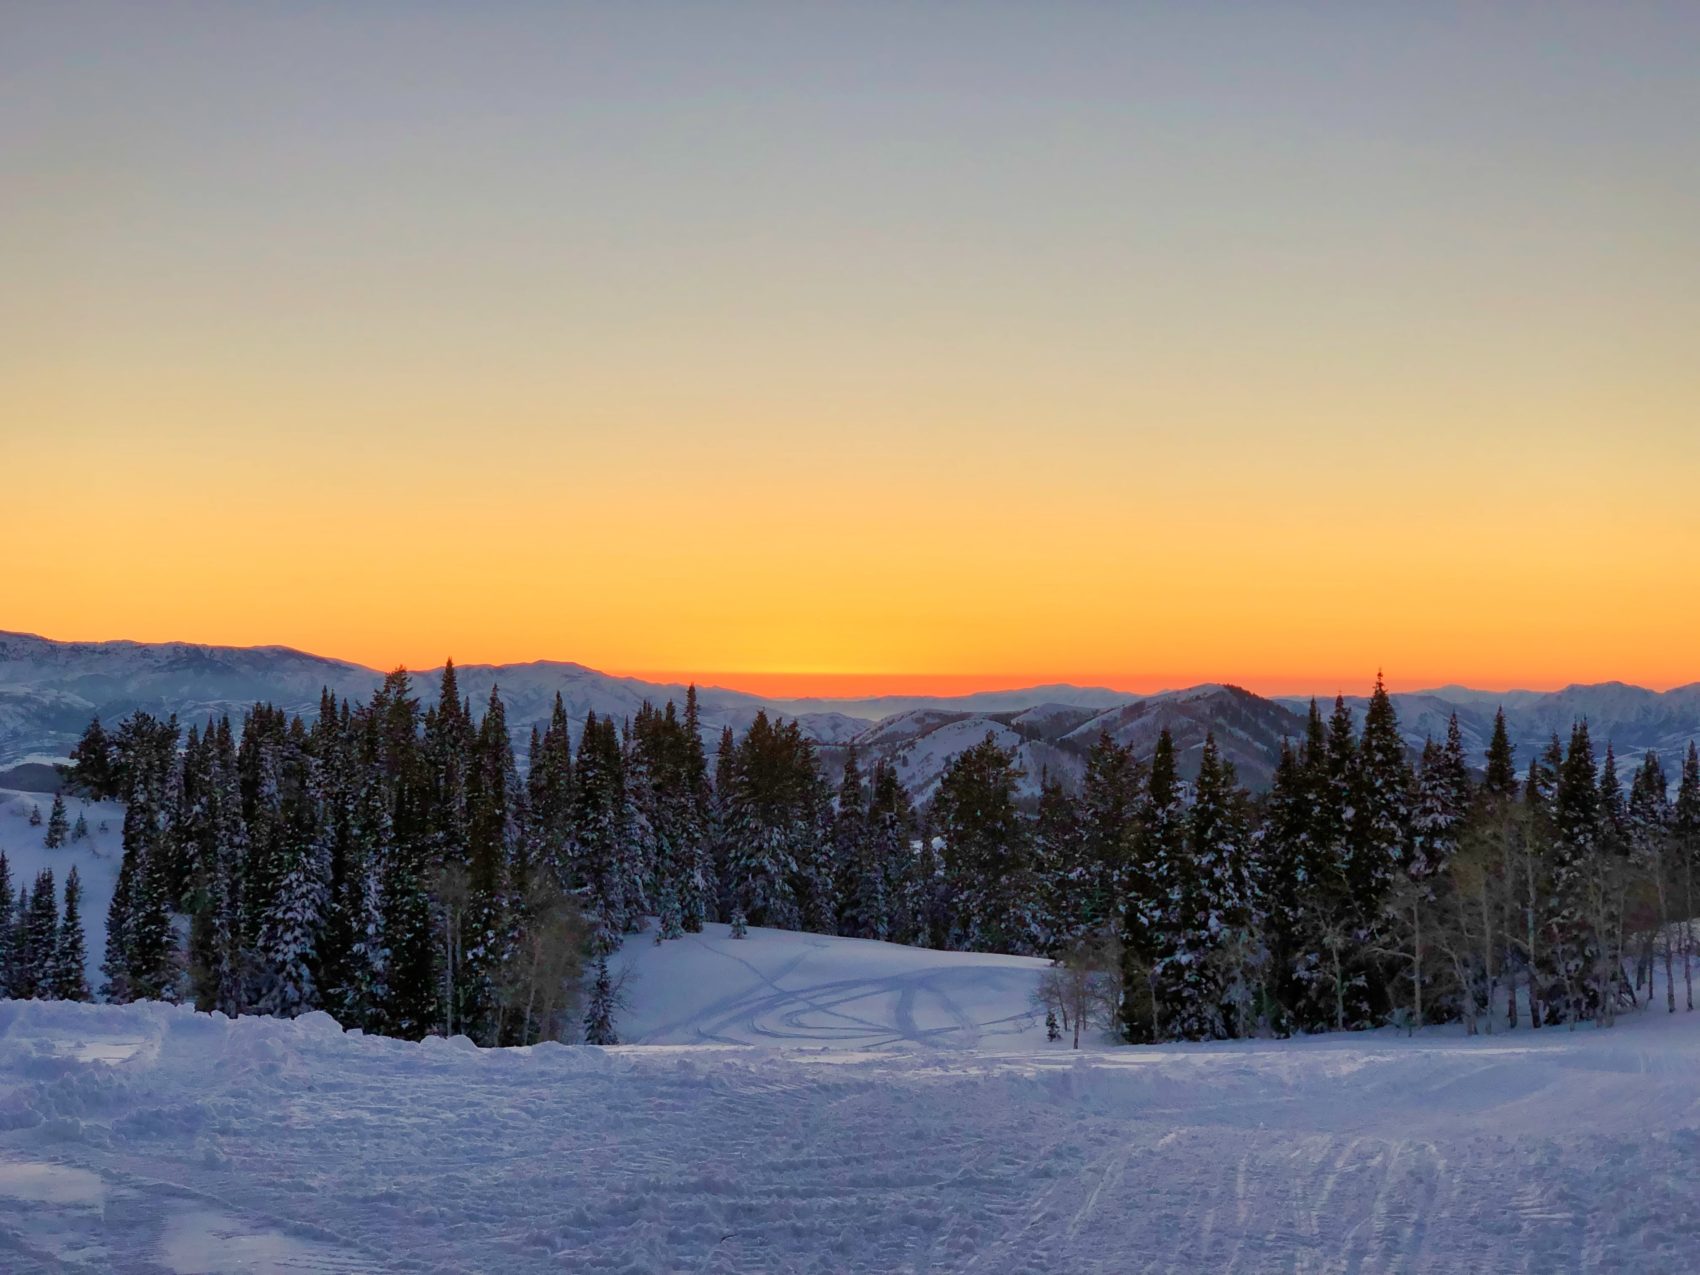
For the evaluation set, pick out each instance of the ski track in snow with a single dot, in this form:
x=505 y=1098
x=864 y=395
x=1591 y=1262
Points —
x=899 y=1130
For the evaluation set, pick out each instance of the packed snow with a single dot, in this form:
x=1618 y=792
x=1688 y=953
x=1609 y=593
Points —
x=900 y=1111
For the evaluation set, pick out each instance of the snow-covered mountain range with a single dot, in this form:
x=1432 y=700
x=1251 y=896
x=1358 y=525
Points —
x=49 y=690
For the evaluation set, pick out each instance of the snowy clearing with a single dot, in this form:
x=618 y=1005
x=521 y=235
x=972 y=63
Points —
x=151 y=1139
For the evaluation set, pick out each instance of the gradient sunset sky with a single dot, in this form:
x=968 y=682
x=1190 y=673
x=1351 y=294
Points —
x=861 y=346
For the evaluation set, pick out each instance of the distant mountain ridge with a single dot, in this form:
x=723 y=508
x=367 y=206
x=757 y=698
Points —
x=49 y=690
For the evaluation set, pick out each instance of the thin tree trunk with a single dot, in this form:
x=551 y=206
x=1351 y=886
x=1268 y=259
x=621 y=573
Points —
x=1416 y=965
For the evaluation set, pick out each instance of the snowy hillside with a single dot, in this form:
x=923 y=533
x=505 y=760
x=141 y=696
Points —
x=96 y=858
x=147 y=1139
x=778 y=987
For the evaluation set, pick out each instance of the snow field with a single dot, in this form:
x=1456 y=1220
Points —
x=148 y=1138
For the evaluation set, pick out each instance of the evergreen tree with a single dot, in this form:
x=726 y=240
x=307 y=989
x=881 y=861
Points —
x=1201 y=972
x=858 y=875
x=1110 y=797
x=887 y=879
x=1573 y=912
x=69 y=978
x=986 y=851
x=1058 y=866
x=1648 y=816
x=1379 y=830
x=599 y=1015
x=1685 y=849
x=94 y=769
x=1500 y=781
x=58 y=826
x=80 y=829
x=39 y=951
x=1147 y=909
x=8 y=921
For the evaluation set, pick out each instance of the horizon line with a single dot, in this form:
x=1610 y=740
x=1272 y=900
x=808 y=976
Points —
x=863 y=685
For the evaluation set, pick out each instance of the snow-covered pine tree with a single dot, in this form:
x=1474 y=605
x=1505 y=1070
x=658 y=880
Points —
x=1110 y=802
x=766 y=805
x=1159 y=843
x=696 y=900
x=861 y=911
x=1650 y=842
x=887 y=880
x=606 y=868
x=70 y=953
x=41 y=940
x=1057 y=867
x=1202 y=975
x=80 y=829
x=1576 y=950
x=35 y=816
x=549 y=791
x=722 y=817
x=8 y=970
x=494 y=816
x=599 y=1013
x=1379 y=837
x=293 y=925
x=19 y=952
x=58 y=825
x=93 y=764
x=986 y=850
x=1685 y=849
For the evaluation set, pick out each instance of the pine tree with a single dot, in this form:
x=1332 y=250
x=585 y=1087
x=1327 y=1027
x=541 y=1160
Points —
x=697 y=898
x=861 y=911
x=35 y=817
x=58 y=826
x=1379 y=830
x=70 y=957
x=8 y=945
x=987 y=863
x=1147 y=907
x=1649 y=831
x=1204 y=944
x=1685 y=841
x=80 y=829
x=887 y=879
x=1500 y=781
x=1573 y=912
x=1057 y=866
x=94 y=770
x=1110 y=798
x=599 y=1015
x=41 y=941
x=766 y=811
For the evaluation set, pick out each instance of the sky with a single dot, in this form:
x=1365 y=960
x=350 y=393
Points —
x=843 y=347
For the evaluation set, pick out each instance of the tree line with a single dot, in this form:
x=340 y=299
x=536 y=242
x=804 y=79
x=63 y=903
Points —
x=388 y=863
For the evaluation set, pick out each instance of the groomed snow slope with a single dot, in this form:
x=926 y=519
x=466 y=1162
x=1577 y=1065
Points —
x=783 y=988
x=149 y=1138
